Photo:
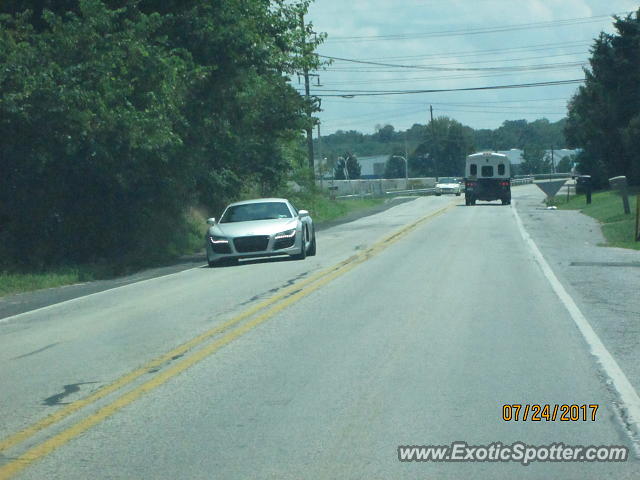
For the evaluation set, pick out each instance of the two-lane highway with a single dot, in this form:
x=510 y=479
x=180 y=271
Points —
x=411 y=327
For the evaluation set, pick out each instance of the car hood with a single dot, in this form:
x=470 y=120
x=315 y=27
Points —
x=255 y=227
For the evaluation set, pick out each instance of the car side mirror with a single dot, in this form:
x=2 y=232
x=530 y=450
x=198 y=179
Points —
x=211 y=221
x=303 y=213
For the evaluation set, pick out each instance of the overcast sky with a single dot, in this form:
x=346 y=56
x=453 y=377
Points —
x=455 y=44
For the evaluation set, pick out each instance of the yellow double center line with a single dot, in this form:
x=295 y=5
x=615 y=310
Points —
x=273 y=305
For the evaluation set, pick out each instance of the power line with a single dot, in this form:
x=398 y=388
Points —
x=513 y=70
x=437 y=77
x=458 y=69
x=365 y=93
x=499 y=60
x=503 y=112
x=475 y=31
x=474 y=53
x=470 y=103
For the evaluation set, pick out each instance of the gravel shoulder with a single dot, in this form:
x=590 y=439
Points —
x=603 y=281
x=23 y=302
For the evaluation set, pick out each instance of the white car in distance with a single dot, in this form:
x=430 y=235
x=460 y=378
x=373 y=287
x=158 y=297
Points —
x=448 y=185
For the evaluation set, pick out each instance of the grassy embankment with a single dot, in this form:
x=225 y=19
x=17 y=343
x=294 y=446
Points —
x=322 y=209
x=606 y=207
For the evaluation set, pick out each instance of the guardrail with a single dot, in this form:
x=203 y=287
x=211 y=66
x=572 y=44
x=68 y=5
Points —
x=425 y=191
x=415 y=191
x=545 y=176
x=392 y=193
x=521 y=181
x=355 y=195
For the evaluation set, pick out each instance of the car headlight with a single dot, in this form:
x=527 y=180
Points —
x=217 y=240
x=286 y=234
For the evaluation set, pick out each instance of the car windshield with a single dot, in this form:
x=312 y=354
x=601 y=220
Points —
x=247 y=212
x=447 y=180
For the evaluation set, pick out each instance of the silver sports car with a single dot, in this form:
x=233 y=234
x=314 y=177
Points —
x=260 y=228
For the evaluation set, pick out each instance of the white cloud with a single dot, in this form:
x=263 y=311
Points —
x=417 y=20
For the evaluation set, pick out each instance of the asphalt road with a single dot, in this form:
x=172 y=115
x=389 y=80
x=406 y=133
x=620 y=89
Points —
x=396 y=333
x=15 y=304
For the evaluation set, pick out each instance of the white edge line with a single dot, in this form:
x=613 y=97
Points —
x=17 y=316
x=81 y=297
x=626 y=391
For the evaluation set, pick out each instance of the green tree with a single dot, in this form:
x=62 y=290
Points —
x=385 y=134
x=353 y=166
x=115 y=117
x=565 y=164
x=443 y=152
x=604 y=114
x=535 y=160
x=340 y=169
x=395 y=167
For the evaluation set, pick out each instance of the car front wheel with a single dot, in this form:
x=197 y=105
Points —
x=312 y=247
x=303 y=248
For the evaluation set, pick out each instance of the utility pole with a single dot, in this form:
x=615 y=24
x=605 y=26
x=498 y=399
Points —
x=307 y=94
x=435 y=160
x=321 y=167
x=553 y=163
x=406 y=160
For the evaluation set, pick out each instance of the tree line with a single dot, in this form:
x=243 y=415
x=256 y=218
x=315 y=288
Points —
x=440 y=148
x=603 y=122
x=604 y=115
x=117 y=116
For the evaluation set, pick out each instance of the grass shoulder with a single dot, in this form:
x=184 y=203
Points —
x=606 y=207
x=323 y=209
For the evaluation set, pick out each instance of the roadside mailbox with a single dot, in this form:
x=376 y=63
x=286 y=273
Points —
x=620 y=183
x=583 y=184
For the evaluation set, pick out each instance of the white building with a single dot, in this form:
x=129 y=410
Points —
x=373 y=167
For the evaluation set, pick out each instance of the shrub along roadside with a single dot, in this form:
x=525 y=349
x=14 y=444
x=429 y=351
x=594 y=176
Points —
x=606 y=207
x=114 y=121
x=321 y=207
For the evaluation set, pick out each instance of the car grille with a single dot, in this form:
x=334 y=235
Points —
x=255 y=243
